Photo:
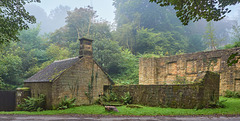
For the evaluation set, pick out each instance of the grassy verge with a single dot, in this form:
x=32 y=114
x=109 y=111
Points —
x=232 y=107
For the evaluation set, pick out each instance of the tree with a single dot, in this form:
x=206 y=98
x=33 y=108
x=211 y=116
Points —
x=144 y=14
x=196 y=44
x=80 y=21
x=107 y=53
x=188 y=10
x=10 y=64
x=236 y=33
x=13 y=18
x=210 y=38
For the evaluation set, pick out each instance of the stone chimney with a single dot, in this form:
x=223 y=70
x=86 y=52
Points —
x=85 y=47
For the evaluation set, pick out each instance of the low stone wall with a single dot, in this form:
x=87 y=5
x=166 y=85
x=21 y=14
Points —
x=197 y=95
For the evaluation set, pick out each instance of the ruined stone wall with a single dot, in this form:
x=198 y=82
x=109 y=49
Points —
x=164 y=70
x=197 y=95
x=74 y=82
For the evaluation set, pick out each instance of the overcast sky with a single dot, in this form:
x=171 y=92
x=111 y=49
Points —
x=104 y=8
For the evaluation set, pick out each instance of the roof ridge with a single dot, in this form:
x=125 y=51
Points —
x=53 y=70
x=65 y=59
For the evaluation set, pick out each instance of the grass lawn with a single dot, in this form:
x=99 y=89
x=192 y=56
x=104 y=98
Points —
x=232 y=107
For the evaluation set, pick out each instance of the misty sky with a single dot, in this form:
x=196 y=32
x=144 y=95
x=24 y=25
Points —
x=104 y=8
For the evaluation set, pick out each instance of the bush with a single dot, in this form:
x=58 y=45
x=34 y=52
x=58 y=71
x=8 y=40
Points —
x=233 y=94
x=66 y=103
x=107 y=97
x=181 y=80
x=219 y=104
x=34 y=104
x=127 y=98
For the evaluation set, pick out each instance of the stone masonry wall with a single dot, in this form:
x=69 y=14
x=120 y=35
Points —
x=37 y=88
x=197 y=95
x=74 y=82
x=164 y=70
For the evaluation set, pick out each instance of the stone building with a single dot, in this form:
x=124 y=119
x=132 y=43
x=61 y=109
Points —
x=166 y=70
x=70 y=78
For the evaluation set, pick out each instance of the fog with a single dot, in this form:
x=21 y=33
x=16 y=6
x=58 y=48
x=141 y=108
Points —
x=122 y=30
x=51 y=14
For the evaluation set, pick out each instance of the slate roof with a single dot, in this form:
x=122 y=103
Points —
x=53 y=70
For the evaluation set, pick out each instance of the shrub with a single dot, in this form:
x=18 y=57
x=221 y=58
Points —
x=33 y=104
x=107 y=97
x=127 y=98
x=233 y=94
x=66 y=103
x=180 y=80
x=218 y=104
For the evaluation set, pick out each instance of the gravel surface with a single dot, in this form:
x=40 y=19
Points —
x=114 y=118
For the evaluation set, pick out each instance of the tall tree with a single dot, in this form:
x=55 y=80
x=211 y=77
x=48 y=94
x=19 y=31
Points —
x=13 y=18
x=80 y=20
x=210 y=37
x=145 y=14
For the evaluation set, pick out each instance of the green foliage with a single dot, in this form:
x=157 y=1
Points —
x=66 y=103
x=4 y=86
x=33 y=103
x=232 y=108
x=79 y=21
x=210 y=38
x=111 y=98
x=129 y=69
x=14 y=18
x=140 y=14
x=195 y=10
x=233 y=94
x=232 y=59
x=195 y=39
x=181 y=80
x=127 y=98
x=107 y=53
x=10 y=68
x=107 y=98
x=55 y=52
x=236 y=34
x=120 y=64
x=150 y=56
x=235 y=44
x=89 y=93
x=218 y=104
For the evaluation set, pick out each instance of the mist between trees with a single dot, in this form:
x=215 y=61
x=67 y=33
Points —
x=142 y=29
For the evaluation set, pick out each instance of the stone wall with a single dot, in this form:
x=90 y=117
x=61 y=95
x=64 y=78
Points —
x=21 y=94
x=74 y=82
x=164 y=70
x=196 y=95
x=37 y=88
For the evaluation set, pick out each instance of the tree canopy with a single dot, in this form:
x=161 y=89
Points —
x=13 y=18
x=195 y=10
